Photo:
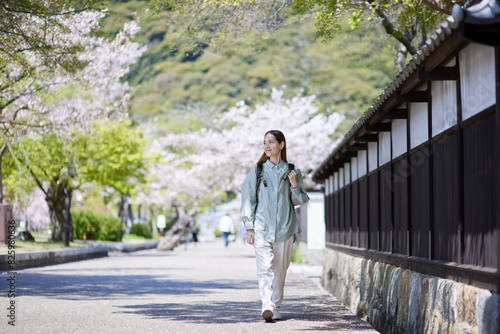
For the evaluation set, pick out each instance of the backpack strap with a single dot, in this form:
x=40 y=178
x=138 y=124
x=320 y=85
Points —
x=260 y=172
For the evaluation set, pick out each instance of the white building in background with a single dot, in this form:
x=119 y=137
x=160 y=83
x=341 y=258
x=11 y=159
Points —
x=208 y=222
x=312 y=221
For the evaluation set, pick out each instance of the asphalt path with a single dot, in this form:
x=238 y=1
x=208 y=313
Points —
x=206 y=288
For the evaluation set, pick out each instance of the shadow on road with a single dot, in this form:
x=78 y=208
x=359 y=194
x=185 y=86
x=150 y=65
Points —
x=308 y=310
x=73 y=287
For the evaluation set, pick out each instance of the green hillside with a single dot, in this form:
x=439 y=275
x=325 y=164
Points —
x=345 y=74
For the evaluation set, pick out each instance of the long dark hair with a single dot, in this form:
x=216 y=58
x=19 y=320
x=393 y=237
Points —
x=280 y=137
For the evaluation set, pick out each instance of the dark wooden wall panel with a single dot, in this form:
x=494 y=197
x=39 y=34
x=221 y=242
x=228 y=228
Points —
x=348 y=212
x=386 y=210
x=400 y=186
x=480 y=149
x=363 y=213
x=373 y=211
x=341 y=216
x=420 y=203
x=443 y=203
x=446 y=201
x=355 y=215
x=331 y=203
x=326 y=211
x=336 y=217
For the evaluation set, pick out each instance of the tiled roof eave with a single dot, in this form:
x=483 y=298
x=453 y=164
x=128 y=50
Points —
x=440 y=34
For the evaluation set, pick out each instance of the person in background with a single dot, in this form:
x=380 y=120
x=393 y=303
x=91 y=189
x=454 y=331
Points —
x=269 y=216
x=226 y=228
x=194 y=234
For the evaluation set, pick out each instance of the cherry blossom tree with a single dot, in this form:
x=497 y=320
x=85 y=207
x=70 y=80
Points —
x=51 y=99
x=35 y=210
x=200 y=167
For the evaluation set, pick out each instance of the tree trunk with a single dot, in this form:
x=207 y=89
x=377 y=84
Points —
x=2 y=150
x=400 y=60
x=443 y=6
x=153 y=221
x=56 y=200
x=69 y=219
x=174 y=236
x=125 y=213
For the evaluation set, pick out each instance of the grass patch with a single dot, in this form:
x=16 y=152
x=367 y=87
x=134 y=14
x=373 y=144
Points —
x=297 y=256
x=43 y=242
x=133 y=237
x=33 y=246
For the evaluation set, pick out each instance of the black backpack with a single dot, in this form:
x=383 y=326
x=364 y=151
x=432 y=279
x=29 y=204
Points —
x=260 y=171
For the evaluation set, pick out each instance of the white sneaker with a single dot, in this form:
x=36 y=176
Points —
x=267 y=315
x=277 y=315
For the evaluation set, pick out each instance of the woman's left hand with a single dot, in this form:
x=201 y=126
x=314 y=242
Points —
x=294 y=180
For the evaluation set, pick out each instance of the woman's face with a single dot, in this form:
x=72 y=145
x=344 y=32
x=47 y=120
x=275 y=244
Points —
x=271 y=146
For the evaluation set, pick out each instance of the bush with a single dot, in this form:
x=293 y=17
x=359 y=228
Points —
x=217 y=233
x=96 y=225
x=142 y=230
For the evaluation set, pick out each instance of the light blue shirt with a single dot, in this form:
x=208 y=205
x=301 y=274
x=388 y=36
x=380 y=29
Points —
x=274 y=220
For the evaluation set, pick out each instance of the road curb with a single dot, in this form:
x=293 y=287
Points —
x=122 y=247
x=49 y=257
x=57 y=256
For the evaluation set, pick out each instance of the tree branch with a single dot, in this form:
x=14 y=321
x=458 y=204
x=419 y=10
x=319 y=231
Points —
x=38 y=12
x=391 y=30
x=442 y=6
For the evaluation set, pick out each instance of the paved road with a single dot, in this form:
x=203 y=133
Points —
x=205 y=289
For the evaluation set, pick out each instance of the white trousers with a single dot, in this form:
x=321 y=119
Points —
x=273 y=260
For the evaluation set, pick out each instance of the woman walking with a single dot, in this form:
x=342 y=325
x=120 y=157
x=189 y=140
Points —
x=270 y=191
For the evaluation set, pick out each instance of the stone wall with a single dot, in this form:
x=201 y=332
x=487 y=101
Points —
x=394 y=300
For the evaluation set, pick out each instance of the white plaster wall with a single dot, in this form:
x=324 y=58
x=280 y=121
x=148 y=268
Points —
x=316 y=226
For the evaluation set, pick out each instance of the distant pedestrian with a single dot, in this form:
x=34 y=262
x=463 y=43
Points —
x=226 y=228
x=194 y=234
x=269 y=194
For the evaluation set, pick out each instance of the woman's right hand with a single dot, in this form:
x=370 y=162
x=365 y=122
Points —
x=250 y=237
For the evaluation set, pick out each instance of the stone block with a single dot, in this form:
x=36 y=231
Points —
x=364 y=282
x=354 y=283
x=447 y=297
x=442 y=307
x=487 y=312
x=403 y=302
x=400 y=301
x=392 y=297
x=423 y=305
x=371 y=270
x=413 y=308
x=433 y=319
x=377 y=305
x=466 y=307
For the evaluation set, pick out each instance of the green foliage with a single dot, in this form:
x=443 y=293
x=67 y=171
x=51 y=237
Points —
x=97 y=226
x=297 y=255
x=142 y=229
x=112 y=155
x=217 y=233
x=167 y=82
